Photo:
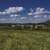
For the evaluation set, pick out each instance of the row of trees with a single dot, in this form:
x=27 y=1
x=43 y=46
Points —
x=28 y=26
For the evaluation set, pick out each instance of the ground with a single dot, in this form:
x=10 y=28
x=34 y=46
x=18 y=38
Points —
x=12 y=39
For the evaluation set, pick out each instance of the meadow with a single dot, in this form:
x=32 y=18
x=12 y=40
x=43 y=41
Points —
x=13 y=39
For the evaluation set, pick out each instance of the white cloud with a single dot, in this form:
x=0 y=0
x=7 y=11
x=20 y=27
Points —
x=30 y=13
x=40 y=9
x=36 y=16
x=14 y=15
x=12 y=10
x=45 y=16
x=39 y=12
x=0 y=12
x=49 y=16
x=23 y=18
x=3 y=12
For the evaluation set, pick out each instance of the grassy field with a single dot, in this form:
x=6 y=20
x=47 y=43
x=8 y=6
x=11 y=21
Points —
x=12 y=39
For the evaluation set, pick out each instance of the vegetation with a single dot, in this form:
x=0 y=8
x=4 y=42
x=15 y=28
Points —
x=12 y=39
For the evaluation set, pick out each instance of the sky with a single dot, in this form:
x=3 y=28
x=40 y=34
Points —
x=37 y=9
x=25 y=3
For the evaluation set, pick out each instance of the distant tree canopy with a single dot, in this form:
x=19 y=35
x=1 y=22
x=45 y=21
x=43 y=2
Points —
x=48 y=23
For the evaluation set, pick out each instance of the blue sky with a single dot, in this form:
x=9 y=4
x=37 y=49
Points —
x=25 y=3
x=39 y=10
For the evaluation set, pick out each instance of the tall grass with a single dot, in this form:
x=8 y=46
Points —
x=12 y=39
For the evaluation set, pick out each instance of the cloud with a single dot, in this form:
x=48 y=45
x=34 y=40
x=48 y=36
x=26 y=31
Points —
x=23 y=18
x=39 y=12
x=40 y=9
x=2 y=12
x=14 y=15
x=31 y=12
x=12 y=10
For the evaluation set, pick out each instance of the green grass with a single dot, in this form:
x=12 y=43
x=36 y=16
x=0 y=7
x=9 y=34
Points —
x=12 y=39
